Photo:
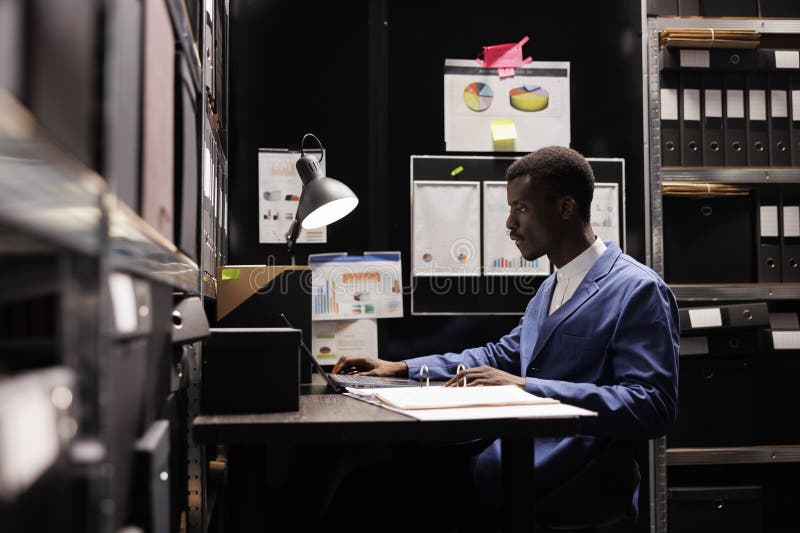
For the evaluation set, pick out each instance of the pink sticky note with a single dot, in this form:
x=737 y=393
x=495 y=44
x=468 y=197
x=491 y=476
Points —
x=504 y=57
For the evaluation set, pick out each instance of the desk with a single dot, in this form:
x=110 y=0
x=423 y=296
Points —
x=335 y=418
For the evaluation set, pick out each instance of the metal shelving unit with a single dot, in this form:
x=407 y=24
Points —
x=660 y=455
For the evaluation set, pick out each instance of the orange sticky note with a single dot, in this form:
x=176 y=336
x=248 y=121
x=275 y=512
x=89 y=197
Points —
x=504 y=130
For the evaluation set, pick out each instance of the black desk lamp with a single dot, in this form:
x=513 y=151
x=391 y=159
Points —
x=323 y=200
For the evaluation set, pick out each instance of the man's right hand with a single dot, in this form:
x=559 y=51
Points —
x=370 y=366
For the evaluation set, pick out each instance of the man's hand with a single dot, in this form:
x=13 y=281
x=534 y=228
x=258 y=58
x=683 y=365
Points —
x=370 y=366
x=485 y=375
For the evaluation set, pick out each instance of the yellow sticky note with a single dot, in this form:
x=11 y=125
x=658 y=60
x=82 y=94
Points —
x=456 y=171
x=230 y=273
x=503 y=130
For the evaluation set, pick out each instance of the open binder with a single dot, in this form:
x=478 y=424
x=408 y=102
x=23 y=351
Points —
x=454 y=397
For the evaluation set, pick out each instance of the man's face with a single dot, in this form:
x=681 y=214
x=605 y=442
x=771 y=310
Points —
x=533 y=219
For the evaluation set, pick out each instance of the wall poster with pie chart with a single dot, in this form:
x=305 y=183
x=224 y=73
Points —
x=536 y=99
x=501 y=256
x=446 y=228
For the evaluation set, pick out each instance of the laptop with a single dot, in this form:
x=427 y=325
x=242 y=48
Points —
x=340 y=382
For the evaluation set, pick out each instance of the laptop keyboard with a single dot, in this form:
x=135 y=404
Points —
x=372 y=381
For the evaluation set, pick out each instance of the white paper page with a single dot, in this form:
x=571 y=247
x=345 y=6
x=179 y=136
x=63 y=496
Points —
x=693 y=345
x=768 y=215
x=786 y=340
x=691 y=104
x=787 y=59
x=669 y=104
x=758 y=105
x=735 y=104
x=713 y=103
x=796 y=106
x=791 y=221
x=536 y=98
x=279 y=190
x=356 y=287
x=705 y=318
x=332 y=339
x=450 y=397
x=446 y=222
x=783 y=321
x=123 y=302
x=605 y=212
x=500 y=255
x=778 y=104
x=695 y=58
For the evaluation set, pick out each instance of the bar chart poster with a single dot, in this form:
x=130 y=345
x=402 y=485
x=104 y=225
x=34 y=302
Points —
x=345 y=287
x=605 y=212
x=500 y=255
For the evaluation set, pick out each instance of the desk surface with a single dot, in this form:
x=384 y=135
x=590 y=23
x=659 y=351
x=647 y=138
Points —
x=339 y=418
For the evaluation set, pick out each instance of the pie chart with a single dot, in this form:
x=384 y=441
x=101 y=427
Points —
x=529 y=98
x=478 y=96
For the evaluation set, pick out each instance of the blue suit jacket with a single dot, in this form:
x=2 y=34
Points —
x=611 y=348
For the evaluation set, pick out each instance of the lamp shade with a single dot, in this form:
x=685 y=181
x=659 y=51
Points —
x=323 y=200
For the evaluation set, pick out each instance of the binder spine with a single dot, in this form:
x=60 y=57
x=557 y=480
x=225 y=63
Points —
x=790 y=235
x=670 y=113
x=780 y=143
x=757 y=134
x=769 y=248
x=713 y=142
x=734 y=125
x=690 y=124
x=794 y=114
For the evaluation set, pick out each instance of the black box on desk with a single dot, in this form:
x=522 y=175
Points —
x=251 y=370
x=703 y=509
x=254 y=296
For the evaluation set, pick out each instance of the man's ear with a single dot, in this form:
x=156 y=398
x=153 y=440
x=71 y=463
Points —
x=566 y=207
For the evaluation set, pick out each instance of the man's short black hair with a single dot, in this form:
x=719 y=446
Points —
x=562 y=170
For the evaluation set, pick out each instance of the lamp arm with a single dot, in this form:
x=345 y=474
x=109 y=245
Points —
x=319 y=143
x=291 y=238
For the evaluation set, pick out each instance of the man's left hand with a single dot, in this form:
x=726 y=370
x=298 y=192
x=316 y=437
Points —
x=485 y=376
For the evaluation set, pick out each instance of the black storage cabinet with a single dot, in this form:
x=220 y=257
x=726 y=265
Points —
x=732 y=509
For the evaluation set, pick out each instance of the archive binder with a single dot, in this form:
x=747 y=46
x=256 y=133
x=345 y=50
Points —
x=713 y=143
x=749 y=315
x=670 y=112
x=734 y=125
x=790 y=235
x=769 y=249
x=757 y=136
x=779 y=144
x=794 y=113
x=691 y=110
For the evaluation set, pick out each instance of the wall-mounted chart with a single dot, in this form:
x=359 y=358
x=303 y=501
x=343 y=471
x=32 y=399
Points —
x=478 y=96
x=500 y=255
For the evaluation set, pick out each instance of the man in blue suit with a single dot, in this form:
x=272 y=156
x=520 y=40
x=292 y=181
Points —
x=601 y=333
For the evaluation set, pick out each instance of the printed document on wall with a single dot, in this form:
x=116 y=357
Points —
x=446 y=228
x=605 y=212
x=347 y=286
x=501 y=256
x=532 y=107
x=332 y=339
x=279 y=188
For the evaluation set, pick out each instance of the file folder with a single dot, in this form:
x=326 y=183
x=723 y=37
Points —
x=794 y=114
x=713 y=59
x=691 y=111
x=749 y=315
x=187 y=159
x=713 y=142
x=670 y=112
x=757 y=135
x=790 y=235
x=734 y=125
x=780 y=154
x=769 y=249
x=709 y=239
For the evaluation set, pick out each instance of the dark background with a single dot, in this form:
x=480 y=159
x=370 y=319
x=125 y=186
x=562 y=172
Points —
x=367 y=78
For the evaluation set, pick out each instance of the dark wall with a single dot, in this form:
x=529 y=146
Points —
x=302 y=51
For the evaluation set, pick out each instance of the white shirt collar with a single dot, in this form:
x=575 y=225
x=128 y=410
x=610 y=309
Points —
x=583 y=262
